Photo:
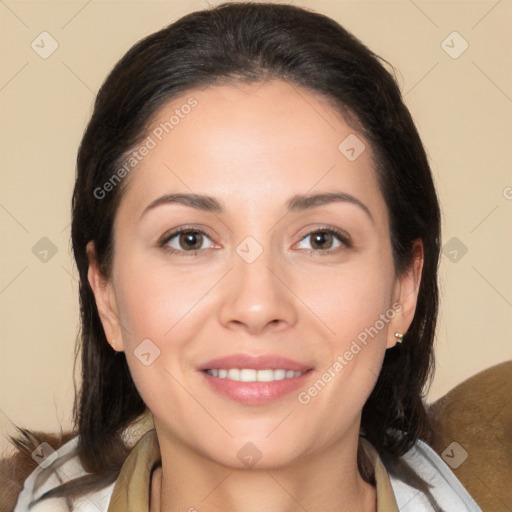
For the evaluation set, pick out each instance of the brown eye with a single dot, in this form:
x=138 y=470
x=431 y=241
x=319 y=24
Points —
x=190 y=240
x=185 y=241
x=324 y=240
x=321 y=240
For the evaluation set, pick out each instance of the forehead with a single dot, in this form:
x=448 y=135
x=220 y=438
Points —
x=252 y=145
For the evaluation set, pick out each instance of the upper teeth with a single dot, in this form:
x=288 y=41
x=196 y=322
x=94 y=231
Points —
x=251 y=375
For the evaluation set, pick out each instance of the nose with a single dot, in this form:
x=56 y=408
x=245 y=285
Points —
x=258 y=295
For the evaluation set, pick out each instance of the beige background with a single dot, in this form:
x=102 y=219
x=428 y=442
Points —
x=462 y=107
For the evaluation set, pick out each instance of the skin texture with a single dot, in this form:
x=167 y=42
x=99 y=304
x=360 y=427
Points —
x=253 y=147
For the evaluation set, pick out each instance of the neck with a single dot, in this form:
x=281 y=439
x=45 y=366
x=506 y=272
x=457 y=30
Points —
x=327 y=481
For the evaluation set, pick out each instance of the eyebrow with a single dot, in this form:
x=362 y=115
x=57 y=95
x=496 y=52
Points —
x=295 y=203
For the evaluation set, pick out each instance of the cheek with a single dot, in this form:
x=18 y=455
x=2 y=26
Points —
x=154 y=299
x=357 y=312
x=153 y=312
x=351 y=300
x=158 y=308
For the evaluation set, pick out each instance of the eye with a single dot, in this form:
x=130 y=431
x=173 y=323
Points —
x=322 y=240
x=188 y=241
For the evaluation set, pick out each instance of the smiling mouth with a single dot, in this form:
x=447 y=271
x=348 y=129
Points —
x=252 y=375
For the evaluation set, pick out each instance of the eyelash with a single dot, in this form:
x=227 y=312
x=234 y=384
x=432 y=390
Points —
x=340 y=235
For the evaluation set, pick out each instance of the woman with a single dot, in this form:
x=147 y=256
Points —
x=257 y=237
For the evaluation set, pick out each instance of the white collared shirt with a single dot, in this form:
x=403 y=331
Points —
x=446 y=488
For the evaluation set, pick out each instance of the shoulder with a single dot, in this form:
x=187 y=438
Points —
x=445 y=488
x=56 y=467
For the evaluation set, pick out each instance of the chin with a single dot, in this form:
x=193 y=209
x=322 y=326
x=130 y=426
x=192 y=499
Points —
x=256 y=453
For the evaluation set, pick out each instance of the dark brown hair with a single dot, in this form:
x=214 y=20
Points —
x=252 y=42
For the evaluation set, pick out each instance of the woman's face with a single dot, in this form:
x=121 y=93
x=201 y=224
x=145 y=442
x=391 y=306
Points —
x=299 y=293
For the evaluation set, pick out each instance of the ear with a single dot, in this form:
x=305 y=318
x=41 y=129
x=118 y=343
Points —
x=105 y=300
x=406 y=294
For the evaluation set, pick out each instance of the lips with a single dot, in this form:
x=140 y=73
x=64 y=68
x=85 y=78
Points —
x=254 y=380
